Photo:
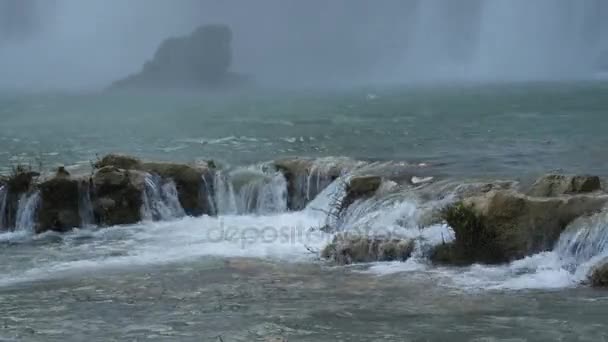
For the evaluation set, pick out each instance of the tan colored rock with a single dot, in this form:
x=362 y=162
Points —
x=347 y=249
x=501 y=226
x=119 y=161
x=359 y=187
x=557 y=185
x=188 y=179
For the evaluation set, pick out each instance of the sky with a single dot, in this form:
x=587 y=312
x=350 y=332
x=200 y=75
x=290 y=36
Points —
x=87 y=44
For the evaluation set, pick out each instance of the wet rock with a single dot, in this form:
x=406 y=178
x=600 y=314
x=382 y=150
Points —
x=119 y=161
x=188 y=179
x=557 y=185
x=20 y=182
x=501 y=226
x=346 y=249
x=599 y=275
x=117 y=195
x=306 y=178
x=188 y=182
x=360 y=187
x=59 y=204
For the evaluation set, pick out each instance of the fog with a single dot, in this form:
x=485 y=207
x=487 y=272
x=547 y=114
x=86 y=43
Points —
x=87 y=44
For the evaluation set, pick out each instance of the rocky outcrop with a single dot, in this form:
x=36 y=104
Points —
x=188 y=179
x=347 y=249
x=200 y=59
x=120 y=161
x=59 y=208
x=557 y=185
x=118 y=195
x=501 y=226
x=599 y=275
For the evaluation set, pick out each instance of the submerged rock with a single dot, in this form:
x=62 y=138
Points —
x=599 y=275
x=59 y=209
x=557 y=185
x=502 y=226
x=347 y=249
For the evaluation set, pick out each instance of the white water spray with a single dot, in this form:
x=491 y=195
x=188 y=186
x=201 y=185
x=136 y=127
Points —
x=225 y=199
x=26 y=211
x=160 y=200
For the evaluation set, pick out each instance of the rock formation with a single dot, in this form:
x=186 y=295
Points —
x=557 y=185
x=599 y=275
x=348 y=249
x=504 y=225
x=201 y=59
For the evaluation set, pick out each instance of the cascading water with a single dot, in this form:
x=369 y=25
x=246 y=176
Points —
x=160 y=200
x=585 y=242
x=85 y=206
x=207 y=192
x=225 y=199
x=251 y=190
x=26 y=211
x=3 y=196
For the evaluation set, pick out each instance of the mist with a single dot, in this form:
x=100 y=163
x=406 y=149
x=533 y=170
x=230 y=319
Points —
x=87 y=44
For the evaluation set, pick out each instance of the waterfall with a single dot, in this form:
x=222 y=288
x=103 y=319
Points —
x=207 y=192
x=225 y=199
x=585 y=240
x=85 y=206
x=160 y=199
x=26 y=211
x=250 y=190
x=264 y=196
x=3 y=197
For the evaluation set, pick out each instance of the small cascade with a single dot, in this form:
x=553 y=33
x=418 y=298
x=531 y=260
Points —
x=160 y=200
x=225 y=199
x=3 y=197
x=265 y=195
x=26 y=211
x=323 y=172
x=85 y=206
x=207 y=192
x=250 y=190
x=585 y=240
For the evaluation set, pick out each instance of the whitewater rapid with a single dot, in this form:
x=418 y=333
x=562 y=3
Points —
x=253 y=222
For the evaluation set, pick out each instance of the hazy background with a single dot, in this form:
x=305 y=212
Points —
x=86 y=44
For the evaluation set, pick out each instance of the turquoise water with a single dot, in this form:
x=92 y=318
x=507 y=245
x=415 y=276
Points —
x=474 y=130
